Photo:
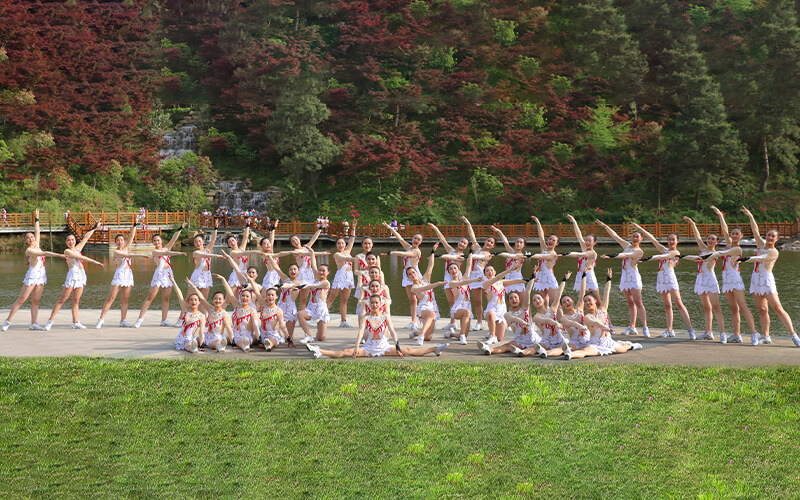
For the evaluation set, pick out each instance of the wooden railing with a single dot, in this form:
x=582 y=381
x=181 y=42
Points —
x=529 y=231
x=85 y=220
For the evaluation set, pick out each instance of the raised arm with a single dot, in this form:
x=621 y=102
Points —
x=352 y=241
x=611 y=233
x=431 y=258
x=245 y=237
x=771 y=254
x=557 y=302
x=649 y=236
x=497 y=277
x=36 y=232
x=314 y=264
x=166 y=253
x=195 y=290
x=578 y=233
x=502 y=236
x=78 y=256
x=233 y=299
x=540 y=232
x=179 y=293
x=471 y=232
x=272 y=235
x=441 y=237
x=275 y=267
x=398 y=236
x=722 y=225
x=526 y=299
x=431 y=286
x=175 y=237
x=131 y=236
x=696 y=232
x=313 y=238
x=86 y=237
x=607 y=290
x=754 y=228
x=256 y=288
x=211 y=243
x=544 y=256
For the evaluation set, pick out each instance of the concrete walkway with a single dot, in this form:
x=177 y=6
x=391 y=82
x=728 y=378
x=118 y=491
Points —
x=151 y=341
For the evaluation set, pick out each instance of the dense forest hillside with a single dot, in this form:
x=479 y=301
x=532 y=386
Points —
x=633 y=109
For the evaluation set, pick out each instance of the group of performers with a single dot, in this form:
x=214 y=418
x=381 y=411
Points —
x=545 y=322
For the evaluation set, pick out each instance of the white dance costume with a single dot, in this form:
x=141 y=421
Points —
x=601 y=339
x=287 y=304
x=546 y=280
x=239 y=321
x=306 y=272
x=477 y=272
x=514 y=275
x=344 y=277
x=629 y=279
x=578 y=337
x=496 y=296
x=460 y=300
x=377 y=343
x=215 y=323
x=447 y=276
x=272 y=279
x=528 y=336
x=409 y=262
x=123 y=276
x=36 y=274
x=269 y=325
x=233 y=279
x=731 y=278
x=201 y=276
x=591 y=278
x=76 y=277
x=552 y=337
x=666 y=279
x=161 y=276
x=706 y=281
x=427 y=302
x=318 y=308
x=762 y=282
x=189 y=322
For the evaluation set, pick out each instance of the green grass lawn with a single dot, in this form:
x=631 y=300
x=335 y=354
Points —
x=89 y=427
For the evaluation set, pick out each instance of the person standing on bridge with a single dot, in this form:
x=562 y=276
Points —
x=162 y=277
x=76 y=278
x=35 y=278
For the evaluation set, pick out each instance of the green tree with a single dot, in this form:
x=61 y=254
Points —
x=599 y=40
x=702 y=143
x=292 y=128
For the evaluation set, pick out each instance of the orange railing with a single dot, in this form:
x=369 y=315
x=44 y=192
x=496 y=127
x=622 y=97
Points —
x=659 y=230
x=85 y=220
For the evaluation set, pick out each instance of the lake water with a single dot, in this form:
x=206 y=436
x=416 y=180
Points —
x=13 y=268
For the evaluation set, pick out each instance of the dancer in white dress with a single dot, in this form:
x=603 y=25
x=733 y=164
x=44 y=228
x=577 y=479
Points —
x=302 y=257
x=571 y=316
x=35 y=278
x=123 y=277
x=287 y=297
x=762 y=284
x=220 y=331
x=460 y=310
x=201 y=258
x=513 y=256
x=273 y=326
x=595 y=317
x=545 y=280
x=706 y=285
x=244 y=320
x=630 y=281
x=495 y=288
x=162 y=277
x=343 y=280
x=667 y=283
x=373 y=276
x=76 y=278
x=271 y=278
x=411 y=256
x=422 y=288
x=527 y=336
x=452 y=255
x=375 y=287
x=481 y=255
x=376 y=325
x=732 y=284
x=242 y=256
x=317 y=309
x=546 y=319
x=587 y=259
x=193 y=321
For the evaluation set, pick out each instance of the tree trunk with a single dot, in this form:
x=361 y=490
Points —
x=397 y=116
x=297 y=21
x=765 y=154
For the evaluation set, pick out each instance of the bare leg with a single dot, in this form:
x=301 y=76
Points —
x=76 y=304
x=112 y=296
x=412 y=302
x=322 y=330
x=428 y=324
x=735 y=317
x=123 y=306
x=558 y=351
x=65 y=293
x=714 y=300
x=631 y=307
x=585 y=352
x=36 y=297
x=503 y=348
x=23 y=296
x=500 y=330
x=344 y=353
x=676 y=296
x=741 y=300
x=302 y=299
x=490 y=324
x=637 y=299
x=151 y=295
x=332 y=296
x=666 y=299
x=165 y=293
x=477 y=299
x=450 y=300
x=775 y=303
x=290 y=328
x=343 y=298
x=763 y=312
x=552 y=296
x=412 y=351
x=621 y=348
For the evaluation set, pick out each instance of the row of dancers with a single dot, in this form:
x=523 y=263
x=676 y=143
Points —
x=307 y=280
